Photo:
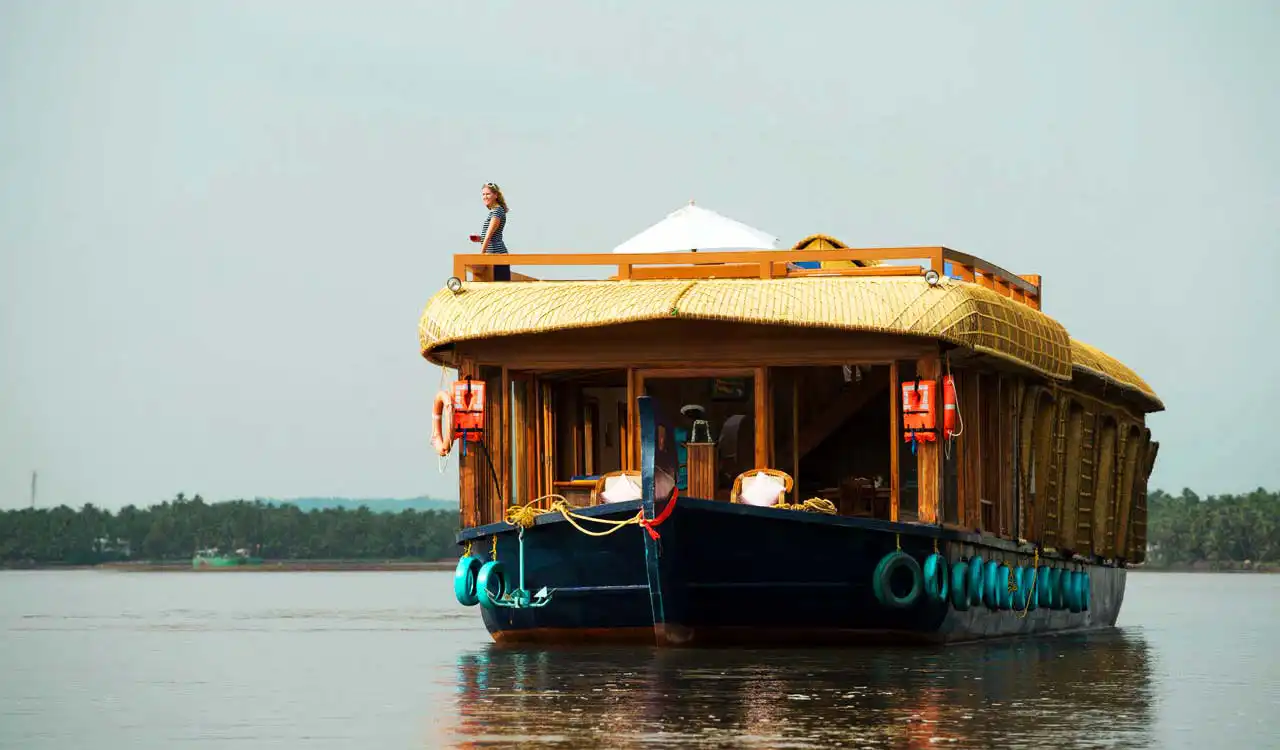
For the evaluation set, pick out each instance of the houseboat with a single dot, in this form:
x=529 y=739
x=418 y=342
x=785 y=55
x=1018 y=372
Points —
x=811 y=445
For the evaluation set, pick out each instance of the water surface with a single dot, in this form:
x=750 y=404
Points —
x=389 y=660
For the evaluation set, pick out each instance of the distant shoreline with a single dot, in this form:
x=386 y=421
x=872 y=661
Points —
x=391 y=566
x=267 y=566
x=1192 y=569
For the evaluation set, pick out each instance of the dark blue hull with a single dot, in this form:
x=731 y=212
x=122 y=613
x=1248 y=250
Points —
x=727 y=573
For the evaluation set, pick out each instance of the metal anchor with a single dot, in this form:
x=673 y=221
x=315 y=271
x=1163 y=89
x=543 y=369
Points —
x=520 y=598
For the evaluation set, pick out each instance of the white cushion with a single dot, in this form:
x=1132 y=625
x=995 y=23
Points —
x=620 y=488
x=761 y=489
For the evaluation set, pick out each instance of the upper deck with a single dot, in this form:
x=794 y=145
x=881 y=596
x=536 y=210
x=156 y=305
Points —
x=836 y=261
x=934 y=292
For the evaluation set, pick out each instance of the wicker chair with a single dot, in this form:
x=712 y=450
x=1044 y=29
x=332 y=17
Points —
x=787 y=483
x=599 y=488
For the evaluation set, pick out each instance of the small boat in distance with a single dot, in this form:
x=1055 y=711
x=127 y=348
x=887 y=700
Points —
x=213 y=558
x=816 y=445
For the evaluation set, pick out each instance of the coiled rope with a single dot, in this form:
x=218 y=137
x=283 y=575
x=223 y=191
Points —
x=524 y=516
x=813 y=505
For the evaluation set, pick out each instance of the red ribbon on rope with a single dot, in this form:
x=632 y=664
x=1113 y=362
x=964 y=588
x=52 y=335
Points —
x=664 y=515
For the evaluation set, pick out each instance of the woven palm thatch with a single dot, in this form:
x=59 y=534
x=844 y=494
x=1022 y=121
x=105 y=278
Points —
x=964 y=314
x=1102 y=365
x=827 y=242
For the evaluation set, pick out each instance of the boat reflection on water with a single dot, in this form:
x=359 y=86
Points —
x=1058 y=691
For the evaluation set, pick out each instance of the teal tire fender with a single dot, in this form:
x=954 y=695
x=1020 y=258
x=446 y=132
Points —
x=1086 y=590
x=959 y=586
x=991 y=584
x=1067 y=585
x=1044 y=588
x=897 y=580
x=1031 y=582
x=1004 y=597
x=491 y=583
x=974 y=589
x=936 y=583
x=1020 y=580
x=464 y=580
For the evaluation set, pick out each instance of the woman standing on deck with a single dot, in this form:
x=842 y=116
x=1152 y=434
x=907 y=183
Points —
x=490 y=237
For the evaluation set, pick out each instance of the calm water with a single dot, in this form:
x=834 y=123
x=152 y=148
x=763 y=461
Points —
x=388 y=660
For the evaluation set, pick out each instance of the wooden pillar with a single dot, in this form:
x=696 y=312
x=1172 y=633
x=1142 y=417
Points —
x=895 y=423
x=762 y=417
x=970 y=450
x=468 y=498
x=627 y=437
x=929 y=454
x=795 y=430
x=503 y=459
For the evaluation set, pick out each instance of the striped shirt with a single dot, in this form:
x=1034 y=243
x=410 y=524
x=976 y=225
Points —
x=496 y=245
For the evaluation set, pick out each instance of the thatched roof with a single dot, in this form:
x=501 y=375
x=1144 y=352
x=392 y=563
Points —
x=961 y=313
x=1099 y=364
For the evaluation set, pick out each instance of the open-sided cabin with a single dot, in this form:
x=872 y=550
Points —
x=792 y=364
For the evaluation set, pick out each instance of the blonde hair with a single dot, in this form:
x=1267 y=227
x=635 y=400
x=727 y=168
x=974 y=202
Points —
x=498 y=192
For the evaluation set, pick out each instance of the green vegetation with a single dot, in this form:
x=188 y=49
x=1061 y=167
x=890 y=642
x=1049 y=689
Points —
x=377 y=505
x=174 y=530
x=1218 y=532
x=1184 y=531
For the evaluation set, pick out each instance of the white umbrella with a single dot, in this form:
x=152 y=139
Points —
x=696 y=228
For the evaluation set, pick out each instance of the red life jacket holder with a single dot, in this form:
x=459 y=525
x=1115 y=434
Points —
x=468 y=411
x=919 y=412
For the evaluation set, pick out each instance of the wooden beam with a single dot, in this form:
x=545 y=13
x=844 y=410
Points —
x=895 y=421
x=467 y=495
x=508 y=419
x=1034 y=299
x=934 y=254
x=752 y=271
x=929 y=454
x=761 y=382
x=970 y=446
x=989 y=269
x=693 y=344
x=629 y=445
x=795 y=431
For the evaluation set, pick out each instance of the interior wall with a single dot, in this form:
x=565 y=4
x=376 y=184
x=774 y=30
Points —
x=607 y=438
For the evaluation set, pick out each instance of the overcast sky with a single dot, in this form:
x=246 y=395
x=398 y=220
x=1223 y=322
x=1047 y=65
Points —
x=220 y=221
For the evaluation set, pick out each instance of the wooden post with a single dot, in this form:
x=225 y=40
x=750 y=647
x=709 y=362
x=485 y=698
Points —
x=627 y=442
x=895 y=422
x=795 y=431
x=762 y=417
x=508 y=450
x=970 y=447
x=467 y=495
x=929 y=454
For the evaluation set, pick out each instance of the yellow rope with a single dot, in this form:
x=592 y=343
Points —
x=493 y=550
x=573 y=519
x=524 y=515
x=466 y=550
x=813 y=504
x=1031 y=590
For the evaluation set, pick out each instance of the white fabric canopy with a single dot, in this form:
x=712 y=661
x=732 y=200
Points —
x=696 y=228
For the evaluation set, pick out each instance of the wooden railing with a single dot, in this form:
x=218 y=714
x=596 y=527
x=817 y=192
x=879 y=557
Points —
x=768 y=264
